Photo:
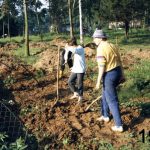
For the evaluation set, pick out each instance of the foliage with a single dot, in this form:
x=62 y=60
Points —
x=39 y=73
x=19 y=144
x=96 y=13
x=9 y=80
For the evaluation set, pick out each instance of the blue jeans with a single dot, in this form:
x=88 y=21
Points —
x=72 y=82
x=109 y=95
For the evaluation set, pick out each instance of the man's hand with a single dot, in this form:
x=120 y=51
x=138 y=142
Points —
x=97 y=86
x=122 y=79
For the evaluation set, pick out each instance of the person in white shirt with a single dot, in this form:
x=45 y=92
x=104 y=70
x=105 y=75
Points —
x=78 y=69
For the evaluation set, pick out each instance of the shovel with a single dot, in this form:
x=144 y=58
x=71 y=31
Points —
x=87 y=108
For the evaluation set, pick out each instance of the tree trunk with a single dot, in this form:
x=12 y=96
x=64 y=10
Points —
x=49 y=16
x=38 y=23
x=8 y=27
x=3 y=29
x=26 y=29
x=81 y=27
x=126 y=28
x=70 y=18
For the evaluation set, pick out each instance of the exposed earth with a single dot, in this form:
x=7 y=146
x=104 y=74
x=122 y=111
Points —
x=66 y=125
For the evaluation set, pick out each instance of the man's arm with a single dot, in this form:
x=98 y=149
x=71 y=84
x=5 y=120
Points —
x=101 y=69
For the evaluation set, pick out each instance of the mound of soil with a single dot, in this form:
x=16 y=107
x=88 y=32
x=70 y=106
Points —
x=59 y=41
x=48 y=60
x=9 y=46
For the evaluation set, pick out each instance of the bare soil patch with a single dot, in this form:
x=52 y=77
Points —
x=67 y=120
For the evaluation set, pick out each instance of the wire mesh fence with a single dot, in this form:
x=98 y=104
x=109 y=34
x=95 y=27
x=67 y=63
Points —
x=10 y=123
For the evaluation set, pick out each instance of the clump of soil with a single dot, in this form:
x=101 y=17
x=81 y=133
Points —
x=48 y=59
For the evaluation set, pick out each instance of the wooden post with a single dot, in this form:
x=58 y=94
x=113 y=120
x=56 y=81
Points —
x=58 y=60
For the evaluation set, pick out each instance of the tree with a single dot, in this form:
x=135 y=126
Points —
x=25 y=2
x=38 y=5
x=70 y=18
x=6 y=16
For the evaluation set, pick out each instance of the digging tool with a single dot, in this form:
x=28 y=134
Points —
x=58 y=60
x=87 y=108
x=57 y=98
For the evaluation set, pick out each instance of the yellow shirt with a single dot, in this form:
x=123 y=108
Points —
x=108 y=56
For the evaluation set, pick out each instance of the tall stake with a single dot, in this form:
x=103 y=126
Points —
x=80 y=16
x=58 y=60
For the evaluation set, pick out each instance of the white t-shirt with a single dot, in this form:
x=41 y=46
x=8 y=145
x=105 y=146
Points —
x=79 y=65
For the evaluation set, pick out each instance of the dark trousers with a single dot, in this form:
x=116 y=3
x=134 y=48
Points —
x=62 y=60
x=76 y=77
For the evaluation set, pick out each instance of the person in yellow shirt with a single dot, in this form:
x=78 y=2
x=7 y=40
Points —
x=110 y=72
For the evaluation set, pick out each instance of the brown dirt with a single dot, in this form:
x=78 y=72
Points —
x=67 y=120
x=140 y=54
x=48 y=58
x=9 y=46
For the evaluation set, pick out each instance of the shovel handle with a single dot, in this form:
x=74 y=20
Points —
x=99 y=97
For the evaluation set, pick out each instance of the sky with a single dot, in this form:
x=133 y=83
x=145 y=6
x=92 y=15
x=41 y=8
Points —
x=45 y=3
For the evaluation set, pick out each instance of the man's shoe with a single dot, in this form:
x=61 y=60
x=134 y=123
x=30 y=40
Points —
x=117 y=128
x=75 y=95
x=102 y=118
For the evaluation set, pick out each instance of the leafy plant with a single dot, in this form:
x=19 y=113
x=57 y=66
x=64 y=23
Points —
x=19 y=144
x=3 y=143
x=39 y=73
x=65 y=141
x=9 y=80
x=103 y=145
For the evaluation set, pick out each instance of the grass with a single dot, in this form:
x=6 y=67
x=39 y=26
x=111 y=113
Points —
x=138 y=82
x=137 y=39
x=20 y=53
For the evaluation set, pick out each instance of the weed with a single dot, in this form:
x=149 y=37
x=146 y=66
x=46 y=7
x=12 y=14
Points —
x=9 y=80
x=39 y=73
x=65 y=141
x=19 y=144
x=103 y=145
